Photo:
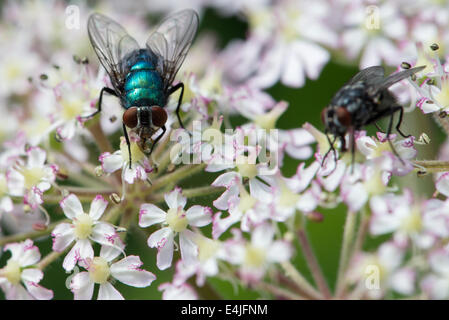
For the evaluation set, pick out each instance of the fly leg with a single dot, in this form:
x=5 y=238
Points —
x=128 y=143
x=390 y=127
x=401 y=113
x=173 y=89
x=105 y=89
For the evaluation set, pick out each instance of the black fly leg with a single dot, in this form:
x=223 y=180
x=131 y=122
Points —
x=401 y=112
x=105 y=89
x=157 y=139
x=331 y=143
x=129 y=145
x=173 y=89
x=378 y=127
x=390 y=127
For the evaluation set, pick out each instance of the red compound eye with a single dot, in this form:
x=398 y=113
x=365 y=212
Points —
x=344 y=116
x=158 y=116
x=130 y=117
x=323 y=115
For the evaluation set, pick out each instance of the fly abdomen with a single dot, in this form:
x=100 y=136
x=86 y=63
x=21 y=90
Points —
x=143 y=85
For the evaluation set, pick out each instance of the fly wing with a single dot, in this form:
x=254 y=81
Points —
x=171 y=41
x=111 y=43
x=396 y=77
x=369 y=75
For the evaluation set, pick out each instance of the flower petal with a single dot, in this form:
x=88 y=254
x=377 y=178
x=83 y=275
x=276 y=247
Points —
x=163 y=241
x=150 y=214
x=97 y=207
x=82 y=286
x=128 y=272
x=199 y=216
x=63 y=235
x=71 y=206
x=108 y=292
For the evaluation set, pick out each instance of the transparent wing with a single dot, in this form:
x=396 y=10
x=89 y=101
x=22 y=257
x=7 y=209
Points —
x=396 y=77
x=171 y=42
x=111 y=43
x=369 y=75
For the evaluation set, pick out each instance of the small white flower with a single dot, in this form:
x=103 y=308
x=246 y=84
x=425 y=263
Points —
x=32 y=178
x=102 y=270
x=256 y=256
x=83 y=229
x=176 y=221
x=19 y=280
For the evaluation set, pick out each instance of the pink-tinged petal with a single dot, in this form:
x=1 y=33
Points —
x=25 y=253
x=219 y=226
x=71 y=206
x=82 y=286
x=199 y=216
x=260 y=191
x=32 y=275
x=182 y=292
x=112 y=251
x=442 y=184
x=149 y=215
x=175 y=199
x=108 y=292
x=81 y=250
x=97 y=207
x=17 y=292
x=128 y=272
x=111 y=162
x=38 y=292
x=33 y=197
x=270 y=68
x=63 y=235
x=262 y=236
x=103 y=233
x=36 y=157
x=163 y=241
x=189 y=250
x=279 y=251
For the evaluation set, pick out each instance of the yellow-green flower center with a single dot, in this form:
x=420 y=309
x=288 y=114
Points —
x=176 y=219
x=72 y=107
x=254 y=257
x=413 y=222
x=83 y=226
x=12 y=272
x=442 y=98
x=246 y=201
x=287 y=197
x=99 y=271
x=246 y=169
x=32 y=176
x=374 y=185
x=137 y=154
x=207 y=248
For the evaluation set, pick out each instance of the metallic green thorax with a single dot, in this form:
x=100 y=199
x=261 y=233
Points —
x=143 y=83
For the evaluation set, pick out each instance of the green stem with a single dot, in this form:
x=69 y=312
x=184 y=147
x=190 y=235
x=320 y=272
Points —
x=177 y=175
x=348 y=236
x=279 y=292
x=300 y=282
x=430 y=166
x=313 y=264
x=30 y=235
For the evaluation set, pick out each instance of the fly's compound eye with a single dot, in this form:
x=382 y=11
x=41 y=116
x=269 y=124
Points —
x=344 y=116
x=323 y=115
x=130 y=117
x=158 y=116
